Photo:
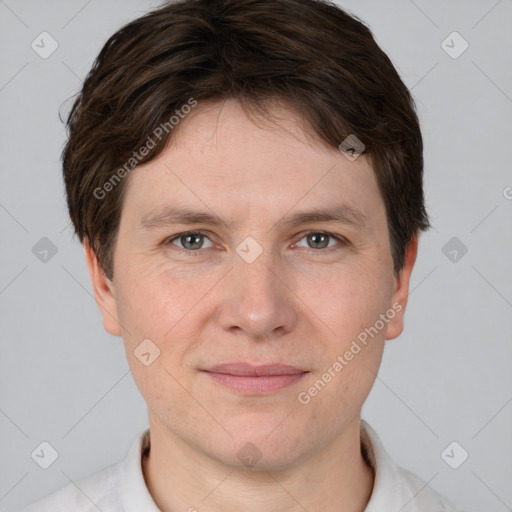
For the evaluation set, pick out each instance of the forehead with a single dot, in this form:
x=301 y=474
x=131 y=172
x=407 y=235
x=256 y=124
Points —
x=223 y=161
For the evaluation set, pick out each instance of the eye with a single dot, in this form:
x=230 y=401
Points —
x=190 y=241
x=194 y=241
x=320 y=240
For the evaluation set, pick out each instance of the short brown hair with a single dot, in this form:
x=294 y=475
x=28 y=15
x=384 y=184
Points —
x=321 y=61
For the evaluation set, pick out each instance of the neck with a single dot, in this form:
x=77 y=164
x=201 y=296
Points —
x=181 y=478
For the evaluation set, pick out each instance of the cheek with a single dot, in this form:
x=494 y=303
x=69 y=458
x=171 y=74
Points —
x=168 y=309
x=148 y=311
x=352 y=307
x=351 y=300
x=336 y=393
x=153 y=302
x=153 y=312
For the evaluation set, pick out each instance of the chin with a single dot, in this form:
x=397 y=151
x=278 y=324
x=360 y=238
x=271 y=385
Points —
x=261 y=449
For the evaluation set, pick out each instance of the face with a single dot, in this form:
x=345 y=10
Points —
x=257 y=267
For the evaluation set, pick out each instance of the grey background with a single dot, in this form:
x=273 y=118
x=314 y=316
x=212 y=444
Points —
x=447 y=378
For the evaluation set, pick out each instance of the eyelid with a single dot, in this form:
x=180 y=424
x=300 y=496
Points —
x=340 y=239
x=169 y=240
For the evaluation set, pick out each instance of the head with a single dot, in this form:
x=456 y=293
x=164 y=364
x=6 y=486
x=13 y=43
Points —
x=236 y=112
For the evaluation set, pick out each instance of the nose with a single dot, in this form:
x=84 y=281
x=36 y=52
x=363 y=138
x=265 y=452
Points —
x=257 y=301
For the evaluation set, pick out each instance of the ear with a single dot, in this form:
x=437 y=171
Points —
x=104 y=291
x=401 y=292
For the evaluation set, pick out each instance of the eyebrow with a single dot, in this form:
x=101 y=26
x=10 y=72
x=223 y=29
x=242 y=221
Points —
x=343 y=214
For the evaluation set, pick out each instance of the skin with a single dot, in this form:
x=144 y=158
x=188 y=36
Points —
x=301 y=302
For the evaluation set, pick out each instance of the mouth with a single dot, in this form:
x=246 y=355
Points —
x=249 y=379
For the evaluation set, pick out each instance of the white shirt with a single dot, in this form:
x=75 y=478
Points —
x=121 y=487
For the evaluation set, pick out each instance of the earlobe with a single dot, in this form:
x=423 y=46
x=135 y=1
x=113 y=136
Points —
x=401 y=293
x=104 y=291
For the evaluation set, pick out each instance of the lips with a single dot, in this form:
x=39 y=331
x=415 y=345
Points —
x=248 y=370
x=248 y=379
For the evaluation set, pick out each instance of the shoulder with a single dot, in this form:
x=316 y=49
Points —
x=119 y=487
x=88 y=494
x=396 y=488
x=422 y=497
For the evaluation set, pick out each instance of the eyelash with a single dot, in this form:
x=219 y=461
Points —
x=342 y=241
